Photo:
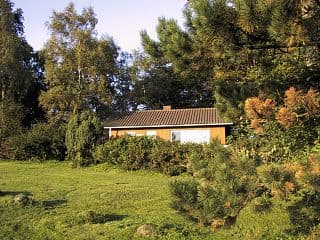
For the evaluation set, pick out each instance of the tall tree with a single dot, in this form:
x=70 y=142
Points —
x=262 y=57
x=123 y=100
x=15 y=54
x=19 y=85
x=163 y=75
x=79 y=66
x=237 y=48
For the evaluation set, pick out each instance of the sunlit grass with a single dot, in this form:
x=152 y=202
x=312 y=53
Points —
x=123 y=201
x=98 y=203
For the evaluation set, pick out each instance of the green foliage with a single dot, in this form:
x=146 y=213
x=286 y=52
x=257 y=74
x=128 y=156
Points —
x=186 y=193
x=305 y=213
x=11 y=115
x=20 y=75
x=83 y=132
x=15 y=54
x=163 y=75
x=45 y=141
x=233 y=50
x=95 y=203
x=79 y=67
x=170 y=157
x=109 y=152
x=133 y=153
x=226 y=184
x=262 y=204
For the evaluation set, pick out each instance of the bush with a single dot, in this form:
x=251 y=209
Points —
x=109 y=152
x=133 y=153
x=262 y=204
x=225 y=184
x=83 y=132
x=170 y=157
x=44 y=141
x=186 y=194
x=305 y=212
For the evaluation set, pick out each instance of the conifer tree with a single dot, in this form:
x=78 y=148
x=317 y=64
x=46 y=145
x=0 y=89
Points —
x=236 y=49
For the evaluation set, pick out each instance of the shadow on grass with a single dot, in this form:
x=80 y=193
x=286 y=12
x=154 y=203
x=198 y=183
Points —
x=14 y=193
x=96 y=218
x=50 y=204
x=305 y=213
x=103 y=218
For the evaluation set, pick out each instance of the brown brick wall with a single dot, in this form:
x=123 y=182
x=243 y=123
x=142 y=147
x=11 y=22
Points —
x=164 y=133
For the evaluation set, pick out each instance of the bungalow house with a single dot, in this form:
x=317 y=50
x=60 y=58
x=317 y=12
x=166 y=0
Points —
x=198 y=125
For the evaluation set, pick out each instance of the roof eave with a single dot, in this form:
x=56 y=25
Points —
x=170 y=126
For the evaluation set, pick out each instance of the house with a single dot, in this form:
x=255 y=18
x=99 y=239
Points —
x=198 y=125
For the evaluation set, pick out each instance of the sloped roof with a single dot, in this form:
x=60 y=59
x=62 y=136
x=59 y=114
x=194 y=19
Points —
x=166 y=118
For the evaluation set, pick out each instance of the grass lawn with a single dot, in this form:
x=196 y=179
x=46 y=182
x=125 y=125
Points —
x=94 y=203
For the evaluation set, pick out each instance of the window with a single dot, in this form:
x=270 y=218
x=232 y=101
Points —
x=176 y=136
x=131 y=133
x=194 y=136
x=151 y=133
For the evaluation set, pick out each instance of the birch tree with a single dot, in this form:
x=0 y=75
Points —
x=80 y=67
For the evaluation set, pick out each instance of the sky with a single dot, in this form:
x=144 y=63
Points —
x=120 y=19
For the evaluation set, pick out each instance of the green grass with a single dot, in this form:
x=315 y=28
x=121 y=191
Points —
x=120 y=201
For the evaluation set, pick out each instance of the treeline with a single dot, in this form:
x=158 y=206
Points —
x=257 y=61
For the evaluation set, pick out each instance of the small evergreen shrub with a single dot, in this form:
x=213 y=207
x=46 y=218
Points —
x=186 y=194
x=83 y=132
x=222 y=185
x=305 y=212
x=262 y=204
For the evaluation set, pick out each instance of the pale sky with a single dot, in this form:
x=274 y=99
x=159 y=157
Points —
x=121 y=19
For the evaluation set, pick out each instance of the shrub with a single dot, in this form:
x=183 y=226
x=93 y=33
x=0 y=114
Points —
x=83 y=132
x=305 y=212
x=136 y=153
x=225 y=184
x=279 y=178
x=133 y=153
x=186 y=194
x=44 y=141
x=170 y=157
x=109 y=152
x=262 y=204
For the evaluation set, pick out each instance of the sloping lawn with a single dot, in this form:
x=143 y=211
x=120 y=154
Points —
x=95 y=203
x=87 y=203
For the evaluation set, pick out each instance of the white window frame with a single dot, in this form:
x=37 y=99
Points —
x=184 y=133
x=151 y=133
x=130 y=133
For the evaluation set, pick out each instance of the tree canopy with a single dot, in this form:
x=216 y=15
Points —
x=233 y=50
x=79 y=66
x=20 y=78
